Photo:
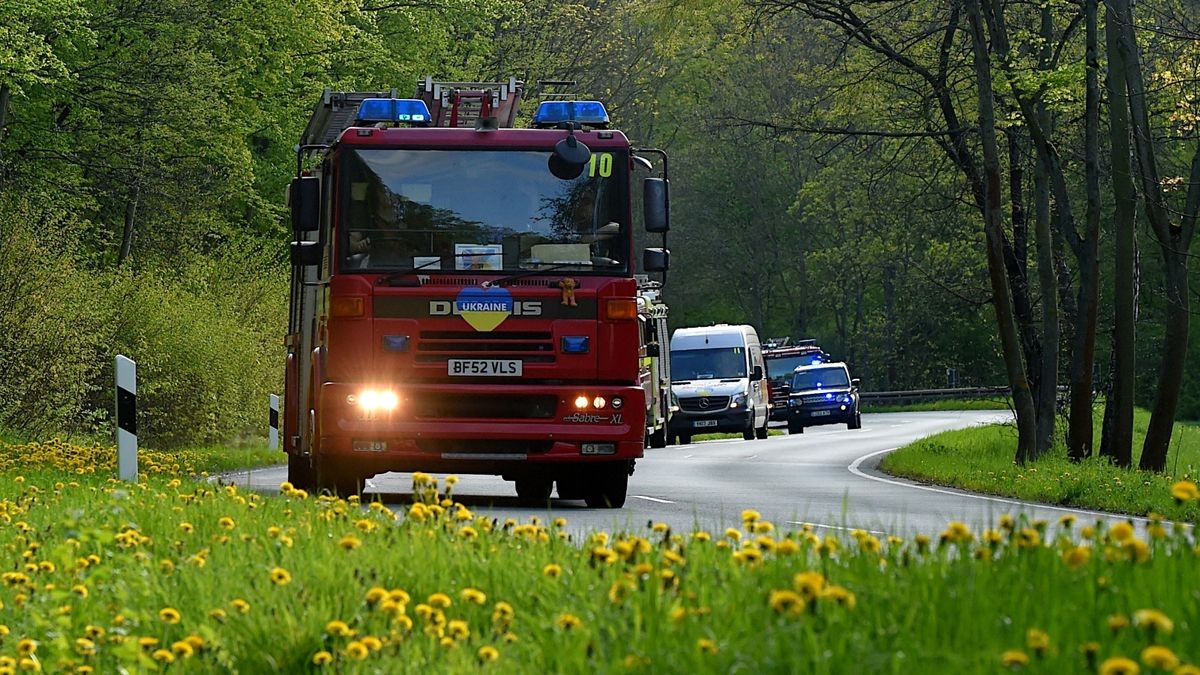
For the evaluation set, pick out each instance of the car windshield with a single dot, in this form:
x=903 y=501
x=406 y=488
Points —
x=820 y=378
x=779 y=368
x=708 y=364
x=481 y=210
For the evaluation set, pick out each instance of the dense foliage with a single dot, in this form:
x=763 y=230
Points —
x=146 y=147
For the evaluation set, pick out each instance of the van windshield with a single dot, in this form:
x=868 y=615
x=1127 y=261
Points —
x=820 y=378
x=708 y=364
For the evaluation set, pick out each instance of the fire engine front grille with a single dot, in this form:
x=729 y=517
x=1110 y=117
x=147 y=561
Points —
x=484 y=446
x=457 y=406
x=704 y=403
x=530 y=346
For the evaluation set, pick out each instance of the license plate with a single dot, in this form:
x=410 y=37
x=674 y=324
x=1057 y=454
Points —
x=820 y=413
x=704 y=423
x=485 y=367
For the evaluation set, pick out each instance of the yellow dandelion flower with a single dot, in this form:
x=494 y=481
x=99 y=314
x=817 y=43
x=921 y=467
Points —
x=1076 y=556
x=487 y=654
x=840 y=595
x=1153 y=621
x=568 y=621
x=809 y=584
x=619 y=591
x=163 y=656
x=187 y=528
x=376 y=594
x=1185 y=491
x=439 y=600
x=560 y=522
x=750 y=515
x=701 y=536
x=761 y=527
x=787 y=547
x=240 y=605
x=458 y=629
x=1119 y=665
x=349 y=542
x=1121 y=532
x=399 y=595
x=1087 y=532
x=468 y=532
x=226 y=523
x=195 y=641
x=218 y=615
x=339 y=628
x=147 y=642
x=169 y=615
x=85 y=647
x=1014 y=657
x=733 y=534
x=1029 y=537
x=183 y=649
x=448 y=642
x=786 y=601
x=403 y=622
x=707 y=646
x=93 y=631
x=322 y=658
x=1067 y=521
x=280 y=576
x=1117 y=622
x=1161 y=658
x=1037 y=640
x=357 y=650
x=473 y=595
x=1187 y=669
x=80 y=590
x=372 y=643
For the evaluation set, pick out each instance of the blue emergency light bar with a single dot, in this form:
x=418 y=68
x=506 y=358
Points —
x=552 y=113
x=393 y=110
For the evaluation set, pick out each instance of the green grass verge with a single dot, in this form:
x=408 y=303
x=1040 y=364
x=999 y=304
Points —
x=981 y=459
x=952 y=404
x=720 y=437
x=120 y=577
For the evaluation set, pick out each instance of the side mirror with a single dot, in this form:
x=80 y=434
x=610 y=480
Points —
x=306 y=253
x=656 y=205
x=569 y=158
x=305 y=200
x=757 y=373
x=854 y=382
x=656 y=260
x=652 y=350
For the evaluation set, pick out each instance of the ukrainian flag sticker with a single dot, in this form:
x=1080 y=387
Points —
x=484 y=308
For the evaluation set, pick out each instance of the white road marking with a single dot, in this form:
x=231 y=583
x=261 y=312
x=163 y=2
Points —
x=832 y=527
x=853 y=468
x=652 y=499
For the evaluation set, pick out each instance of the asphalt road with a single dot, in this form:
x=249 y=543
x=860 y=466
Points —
x=826 y=477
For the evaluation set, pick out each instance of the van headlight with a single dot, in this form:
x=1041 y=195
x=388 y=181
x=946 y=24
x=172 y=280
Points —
x=738 y=401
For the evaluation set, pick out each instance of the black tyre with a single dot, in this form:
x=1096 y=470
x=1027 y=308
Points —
x=748 y=434
x=855 y=422
x=658 y=439
x=610 y=489
x=684 y=439
x=300 y=472
x=341 y=481
x=762 y=433
x=795 y=427
x=534 y=490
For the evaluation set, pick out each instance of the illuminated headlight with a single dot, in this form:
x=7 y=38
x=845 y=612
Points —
x=375 y=400
x=846 y=398
x=739 y=400
x=581 y=402
x=599 y=402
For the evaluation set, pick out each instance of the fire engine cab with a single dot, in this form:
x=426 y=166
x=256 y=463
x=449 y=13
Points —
x=463 y=295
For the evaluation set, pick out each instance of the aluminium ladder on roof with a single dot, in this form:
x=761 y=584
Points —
x=462 y=104
x=335 y=113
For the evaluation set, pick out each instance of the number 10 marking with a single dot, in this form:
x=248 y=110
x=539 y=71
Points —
x=604 y=162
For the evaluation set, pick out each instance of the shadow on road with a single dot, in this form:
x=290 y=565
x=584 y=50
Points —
x=478 y=501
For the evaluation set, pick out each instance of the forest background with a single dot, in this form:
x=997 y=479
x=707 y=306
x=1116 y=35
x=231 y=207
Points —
x=830 y=180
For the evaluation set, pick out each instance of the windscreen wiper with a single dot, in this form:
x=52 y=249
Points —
x=390 y=279
x=543 y=270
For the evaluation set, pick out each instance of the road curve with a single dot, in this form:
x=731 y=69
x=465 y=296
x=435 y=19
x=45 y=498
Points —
x=826 y=477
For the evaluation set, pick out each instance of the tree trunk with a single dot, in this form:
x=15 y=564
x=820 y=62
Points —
x=1119 y=446
x=1009 y=339
x=1083 y=342
x=1016 y=261
x=1047 y=382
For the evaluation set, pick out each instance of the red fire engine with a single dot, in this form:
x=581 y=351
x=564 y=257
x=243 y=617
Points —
x=463 y=295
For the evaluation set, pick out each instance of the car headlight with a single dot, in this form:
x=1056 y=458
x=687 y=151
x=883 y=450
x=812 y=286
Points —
x=847 y=398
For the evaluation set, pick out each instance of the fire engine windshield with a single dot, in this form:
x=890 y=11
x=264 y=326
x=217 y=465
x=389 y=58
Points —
x=780 y=368
x=481 y=210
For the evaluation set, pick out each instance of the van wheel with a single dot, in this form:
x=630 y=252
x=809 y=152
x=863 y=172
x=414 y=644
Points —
x=658 y=439
x=795 y=428
x=748 y=432
x=684 y=439
x=762 y=433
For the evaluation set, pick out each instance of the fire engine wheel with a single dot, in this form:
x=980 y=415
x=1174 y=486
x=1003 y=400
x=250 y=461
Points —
x=340 y=481
x=658 y=439
x=300 y=472
x=534 y=490
x=608 y=492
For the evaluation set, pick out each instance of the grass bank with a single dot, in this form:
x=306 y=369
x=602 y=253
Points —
x=952 y=404
x=981 y=459
x=182 y=575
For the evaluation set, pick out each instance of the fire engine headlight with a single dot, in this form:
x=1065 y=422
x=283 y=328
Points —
x=617 y=402
x=375 y=400
x=581 y=402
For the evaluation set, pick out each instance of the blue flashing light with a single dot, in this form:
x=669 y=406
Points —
x=407 y=110
x=575 y=344
x=395 y=343
x=591 y=113
x=817 y=359
x=828 y=396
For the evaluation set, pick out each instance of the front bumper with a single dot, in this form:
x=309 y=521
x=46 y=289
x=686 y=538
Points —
x=729 y=420
x=408 y=441
x=814 y=415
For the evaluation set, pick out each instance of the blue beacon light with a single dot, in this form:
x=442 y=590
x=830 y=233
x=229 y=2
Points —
x=591 y=113
x=393 y=110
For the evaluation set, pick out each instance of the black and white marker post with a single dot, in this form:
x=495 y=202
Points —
x=126 y=419
x=273 y=433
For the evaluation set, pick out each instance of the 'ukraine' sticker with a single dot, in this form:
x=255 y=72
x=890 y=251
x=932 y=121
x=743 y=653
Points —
x=484 y=308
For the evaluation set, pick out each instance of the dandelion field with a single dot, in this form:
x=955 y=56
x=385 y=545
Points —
x=177 y=574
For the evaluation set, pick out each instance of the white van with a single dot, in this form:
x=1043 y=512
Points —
x=718 y=381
